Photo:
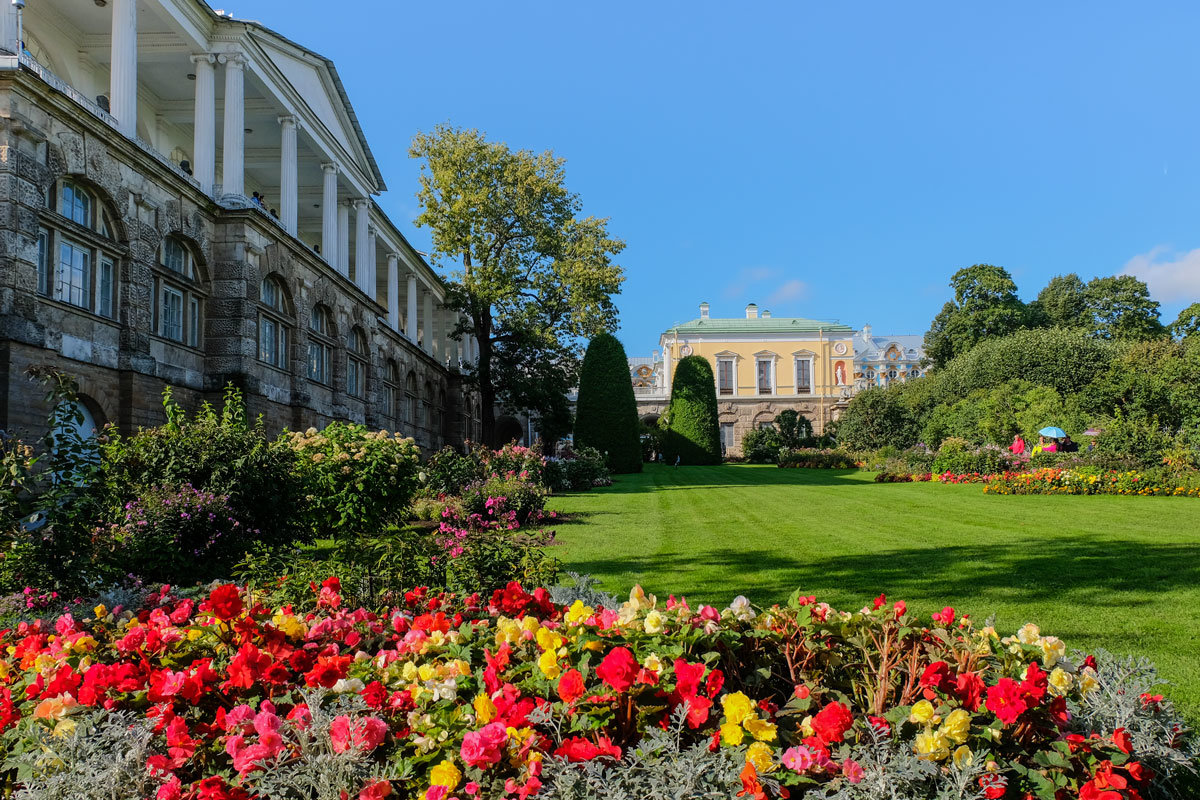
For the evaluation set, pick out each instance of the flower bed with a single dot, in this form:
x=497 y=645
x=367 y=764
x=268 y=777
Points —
x=225 y=697
x=1050 y=480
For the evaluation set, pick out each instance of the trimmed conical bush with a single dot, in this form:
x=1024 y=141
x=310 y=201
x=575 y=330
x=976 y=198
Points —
x=606 y=414
x=692 y=431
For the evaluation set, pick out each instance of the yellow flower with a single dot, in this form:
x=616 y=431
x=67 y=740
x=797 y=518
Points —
x=578 y=613
x=194 y=633
x=100 y=611
x=1060 y=681
x=409 y=671
x=760 y=756
x=1087 y=680
x=65 y=727
x=957 y=727
x=653 y=663
x=760 y=729
x=548 y=662
x=1053 y=650
x=654 y=623
x=963 y=757
x=931 y=746
x=445 y=774
x=548 y=639
x=1029 y=634
x=426 y=672
x=921 y=712
x=485 y=709
x=731 y=734
x=738 y=708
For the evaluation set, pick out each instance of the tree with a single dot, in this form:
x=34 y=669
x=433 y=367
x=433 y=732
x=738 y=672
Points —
x=692 y=429
x=794 y=429
x=985 y=306
x=1061 y=304
x=606 y=414
x=877 y=418
x=532 y=278
x=1121 y=308
x=1187 y=324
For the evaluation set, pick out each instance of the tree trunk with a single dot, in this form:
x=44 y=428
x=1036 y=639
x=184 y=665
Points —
x=487 y=391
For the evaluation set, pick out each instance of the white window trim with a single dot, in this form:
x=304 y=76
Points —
x=732 y=361
x=167 y=289
x=772 y=359
x=812 y=374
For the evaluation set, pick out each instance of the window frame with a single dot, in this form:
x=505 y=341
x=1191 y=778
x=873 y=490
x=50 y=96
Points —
x=184 y=282
x=732 y=364
x=273 y=316
x=320 y=344
x=356 y=363
x=391 y=390
x=810 y=361
x=758 y=386
x=80 y=223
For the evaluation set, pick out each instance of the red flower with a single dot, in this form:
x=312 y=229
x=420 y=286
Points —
x=577 y=748
x=831 y=722
x=570 y=686
x=968 y=688
x=618 y=669
x=1123 y=740
x=1006 y=700
x=328 y=671
x=751 y=786
x=377 y=790
x=714 y=682
x=225 y=602
x=936 y=676
x=1034 y=685
x=945 y=616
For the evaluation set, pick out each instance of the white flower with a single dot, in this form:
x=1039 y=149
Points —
x=740 y=608
x=348 y=685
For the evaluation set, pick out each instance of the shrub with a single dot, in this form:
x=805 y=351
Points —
x=1141 y=438
x=692 y=431
x=606 y=413
x=495 y=497
x=447 y=471
x=957 y=456
x=356 y=480
x=876 y=418
x=816 y=459
x=762 y=446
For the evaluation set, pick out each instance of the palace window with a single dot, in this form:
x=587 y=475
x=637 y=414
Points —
x=320 y=345
x=726 y=376
x=427 y=406
x=272 y=323
x=410 y=398
x=179 y=302
x=765 y=368
x=77 y=254
x=804 y=375
x=727 y=442
x=356 y=365
x=391 y=391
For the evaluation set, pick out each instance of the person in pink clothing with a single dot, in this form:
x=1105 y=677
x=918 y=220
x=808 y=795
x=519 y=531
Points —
x=1018 y=445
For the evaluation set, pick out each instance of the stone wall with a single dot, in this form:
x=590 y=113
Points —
x=122 y=365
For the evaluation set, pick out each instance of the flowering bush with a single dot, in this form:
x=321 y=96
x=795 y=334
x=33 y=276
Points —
x=577 y=470
x=514 y=696
x=812 y=458
x=1087 y=481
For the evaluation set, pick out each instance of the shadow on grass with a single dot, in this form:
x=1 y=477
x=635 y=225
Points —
x=1111 y=573
x=660 y=477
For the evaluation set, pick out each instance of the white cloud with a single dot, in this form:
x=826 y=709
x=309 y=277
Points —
x=1172 y=276
x=788 y=291
x=747 y=277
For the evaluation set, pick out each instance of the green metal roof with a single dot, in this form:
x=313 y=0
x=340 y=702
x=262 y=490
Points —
x=760 y=325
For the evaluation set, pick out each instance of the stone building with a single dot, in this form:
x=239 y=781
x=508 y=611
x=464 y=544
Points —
x=881 y=360
x=761 y=365
x=186 y=200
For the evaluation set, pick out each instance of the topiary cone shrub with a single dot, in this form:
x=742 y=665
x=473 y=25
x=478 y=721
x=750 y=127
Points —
x=692 y=432
x=606 y=417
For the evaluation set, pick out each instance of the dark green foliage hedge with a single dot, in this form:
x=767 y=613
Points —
x=692 y=432
x=762 y=446
x=878 y=418
x=606 y=416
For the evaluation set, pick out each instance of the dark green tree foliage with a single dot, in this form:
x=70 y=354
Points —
x=877 y=418
x=1121 y=308
x=692 y=432
x=606 y=416
x=762 y=446
x=985 y=306
x=1061 y=304
x=794 y=429
x=1187 y=324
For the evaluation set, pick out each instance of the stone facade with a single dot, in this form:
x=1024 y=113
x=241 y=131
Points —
x=120 y=355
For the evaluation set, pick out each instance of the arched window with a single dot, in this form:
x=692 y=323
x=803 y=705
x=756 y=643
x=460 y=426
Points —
x=391 y=391
x=356 y=365
x=410 y=398
x=77 y=250
x=427 y=405
x=320 y=345
x=273 y=323
x=178 y=312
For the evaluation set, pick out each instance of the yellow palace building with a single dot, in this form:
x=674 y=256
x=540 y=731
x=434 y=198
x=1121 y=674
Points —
x=761 y=364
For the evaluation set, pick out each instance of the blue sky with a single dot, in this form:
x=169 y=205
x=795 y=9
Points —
x=828 y=160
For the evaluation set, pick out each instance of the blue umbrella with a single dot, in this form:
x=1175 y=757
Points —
x=1053 y=433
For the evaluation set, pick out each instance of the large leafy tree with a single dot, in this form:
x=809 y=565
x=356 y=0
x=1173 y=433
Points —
x=606 y=416
x=532 y=277
x=1062 y=304
x=1121 y=308
x=985 y=306
x=1187 y=324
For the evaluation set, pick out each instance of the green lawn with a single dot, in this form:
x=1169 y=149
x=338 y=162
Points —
x=1112 y=572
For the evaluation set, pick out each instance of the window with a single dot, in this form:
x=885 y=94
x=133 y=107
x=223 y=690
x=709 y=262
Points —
x=391 y=391
x=272 y=323
x=764 y=370
x=410 y=398
x=172 y=314
x=104 y=305
x=427 y=406
x=43 y=263
x=892 y=374
x=74 y=275
x=75 y=265
x=804 y=370
x=75 y=204
x=180 y=309
x=726 y=380
x=726 y=436
x=356 y=368
x=320 y=327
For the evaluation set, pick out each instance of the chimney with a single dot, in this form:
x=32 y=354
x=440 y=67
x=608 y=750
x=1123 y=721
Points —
x=752 y=311
x=766 y=314
x=704 y=311
x=866 y=331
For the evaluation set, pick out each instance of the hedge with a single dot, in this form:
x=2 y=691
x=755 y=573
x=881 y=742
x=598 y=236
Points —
x=606 y=416
x=692 y=432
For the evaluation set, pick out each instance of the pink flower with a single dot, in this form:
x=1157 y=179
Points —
x=852 y=770
x=366 y=734
x=482 y=748
x=436 y=793
x=798 y=759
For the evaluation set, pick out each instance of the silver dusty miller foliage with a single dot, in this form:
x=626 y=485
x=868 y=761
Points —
x=584 y=588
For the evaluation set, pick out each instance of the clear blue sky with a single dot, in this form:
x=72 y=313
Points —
x=826 y=160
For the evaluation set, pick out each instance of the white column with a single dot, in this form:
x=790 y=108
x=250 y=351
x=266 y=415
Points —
x=343 y=245
x=372 y=272
x=8 y=28
x=233 y=145
x=427 y=328
x=448 y=344
x=393 y=294
x=362 y=251
x=667 y=368
x=410 y=319
x=289 y=181
x=123 y=74
x=204 y=122
x=329 y=215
